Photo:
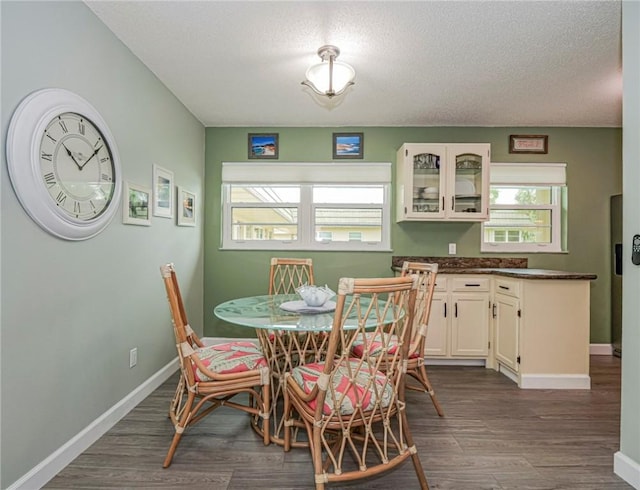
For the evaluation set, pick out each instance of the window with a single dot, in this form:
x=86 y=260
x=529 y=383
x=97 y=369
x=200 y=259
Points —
x=525 y=208
x=306 y=206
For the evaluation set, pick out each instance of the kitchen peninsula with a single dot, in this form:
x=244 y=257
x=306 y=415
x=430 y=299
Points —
x=530 y=324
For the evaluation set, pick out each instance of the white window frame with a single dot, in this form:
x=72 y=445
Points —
x=529 y=175
x=306 y=175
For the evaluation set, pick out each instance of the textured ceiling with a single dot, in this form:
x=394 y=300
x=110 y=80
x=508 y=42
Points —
x=419 y=63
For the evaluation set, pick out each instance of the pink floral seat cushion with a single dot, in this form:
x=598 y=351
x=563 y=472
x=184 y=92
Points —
x=359 y=391
x=376 y=343
x=230 y=357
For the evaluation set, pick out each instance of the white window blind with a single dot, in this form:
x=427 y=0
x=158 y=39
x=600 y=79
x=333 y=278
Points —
x=306 y=173
x=528 y=174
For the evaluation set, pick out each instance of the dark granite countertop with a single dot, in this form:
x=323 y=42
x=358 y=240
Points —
x=508 y=267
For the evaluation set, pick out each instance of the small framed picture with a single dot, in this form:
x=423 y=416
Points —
x=348 y=145
x=135 y=206
x=162 y=192
x=186 y=207
x=263 y=145
x=528 y=143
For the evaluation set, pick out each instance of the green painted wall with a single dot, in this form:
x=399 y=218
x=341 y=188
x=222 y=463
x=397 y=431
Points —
x=594 y=173
x=70 y=311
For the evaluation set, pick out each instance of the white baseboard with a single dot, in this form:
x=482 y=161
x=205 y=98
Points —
x=508 y=373
x=627 y=469
x=601 y=349
x=52 y=465
x=555 y=382
x=432 y=361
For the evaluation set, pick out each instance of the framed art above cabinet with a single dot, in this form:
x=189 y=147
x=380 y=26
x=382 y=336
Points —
x=443 y=182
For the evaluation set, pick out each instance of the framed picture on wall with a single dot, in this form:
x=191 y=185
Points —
x=263 y=145
x=186 y=207
x=162 y=192
x=528 y=143
x=348 y=145
x=135 y=206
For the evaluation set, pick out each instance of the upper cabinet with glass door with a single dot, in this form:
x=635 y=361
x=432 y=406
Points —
x=443 y=182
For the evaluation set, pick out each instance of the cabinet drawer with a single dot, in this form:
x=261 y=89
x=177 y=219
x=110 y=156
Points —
x=508 y=287
x=470 y=284
x=441 y=283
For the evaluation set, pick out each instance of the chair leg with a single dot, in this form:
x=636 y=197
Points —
x=316 y=453
x=266 y=409
x=421 y=376
x=179 y=428
x=286 y=416
x=415 y=459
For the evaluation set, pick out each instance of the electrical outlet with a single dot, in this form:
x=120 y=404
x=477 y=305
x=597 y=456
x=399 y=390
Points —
x=452 y=249
x=133 y=357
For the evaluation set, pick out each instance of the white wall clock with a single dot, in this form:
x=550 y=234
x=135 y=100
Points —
x=64 y=164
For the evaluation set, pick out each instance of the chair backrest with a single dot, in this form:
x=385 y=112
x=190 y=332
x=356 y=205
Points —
x=427 y=274
x=192 y=337
x=369 y=310
x=183 y=343
x=285 y=275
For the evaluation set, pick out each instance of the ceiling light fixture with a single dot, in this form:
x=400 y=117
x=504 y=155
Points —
x=330 y=77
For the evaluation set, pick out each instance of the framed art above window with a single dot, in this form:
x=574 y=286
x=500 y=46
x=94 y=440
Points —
x=528 y=143
x=263 y=145
x=348 y=145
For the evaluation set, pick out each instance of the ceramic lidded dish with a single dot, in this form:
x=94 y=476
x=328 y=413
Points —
x=315 y=295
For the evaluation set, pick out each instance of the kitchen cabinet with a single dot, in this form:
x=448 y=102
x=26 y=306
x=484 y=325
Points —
x=459 y=320
x=506 y=318
x=541 y=332
x=437 y=181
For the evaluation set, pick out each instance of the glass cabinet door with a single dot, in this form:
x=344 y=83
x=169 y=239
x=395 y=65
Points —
x=427 y=186
x=468 y=183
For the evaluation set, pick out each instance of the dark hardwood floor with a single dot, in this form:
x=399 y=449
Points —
x=493 y=436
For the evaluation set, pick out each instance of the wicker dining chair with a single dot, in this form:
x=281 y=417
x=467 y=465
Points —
x=353 y=409
x=192 y=337
x=213 y=375
x=282 y=348
x=415 y=362
x=416 y=365
x=285 y=275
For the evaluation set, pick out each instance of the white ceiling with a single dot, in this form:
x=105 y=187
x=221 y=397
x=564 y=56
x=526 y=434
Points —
x=418 y=63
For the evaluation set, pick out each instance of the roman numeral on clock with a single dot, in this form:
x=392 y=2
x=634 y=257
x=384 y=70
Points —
x=50 y=179
x=61 y=198
x=46 y=156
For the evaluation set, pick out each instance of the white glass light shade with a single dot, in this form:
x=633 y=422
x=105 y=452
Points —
x=319 y=77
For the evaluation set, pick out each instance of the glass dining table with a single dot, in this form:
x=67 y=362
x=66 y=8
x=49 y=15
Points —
x=290 y=334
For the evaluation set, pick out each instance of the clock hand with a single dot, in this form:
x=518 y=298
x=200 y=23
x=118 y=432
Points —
x=72 y=158
x=92 y=155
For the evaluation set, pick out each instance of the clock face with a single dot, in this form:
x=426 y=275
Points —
x=64 y=164
x=76 y=166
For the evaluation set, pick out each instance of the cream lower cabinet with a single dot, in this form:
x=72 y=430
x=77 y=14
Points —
x=459 y=322
x=541 y=332
x=506 y=318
